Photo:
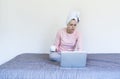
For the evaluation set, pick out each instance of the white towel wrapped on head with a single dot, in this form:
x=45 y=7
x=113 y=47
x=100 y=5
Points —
x=73 y=15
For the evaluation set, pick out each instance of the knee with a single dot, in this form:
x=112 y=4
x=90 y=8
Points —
x=54 y=56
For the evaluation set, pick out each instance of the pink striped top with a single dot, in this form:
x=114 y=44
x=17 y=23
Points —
x=67 y=42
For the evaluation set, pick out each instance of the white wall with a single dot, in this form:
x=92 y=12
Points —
x=29 y=26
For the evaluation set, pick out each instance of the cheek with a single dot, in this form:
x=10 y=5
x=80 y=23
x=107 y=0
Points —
x=69 y=27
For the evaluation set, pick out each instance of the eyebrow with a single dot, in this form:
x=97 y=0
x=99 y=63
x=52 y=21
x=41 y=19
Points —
x=73 y=24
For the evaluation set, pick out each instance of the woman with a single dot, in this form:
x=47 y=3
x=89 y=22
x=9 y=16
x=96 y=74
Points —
x=67 y=39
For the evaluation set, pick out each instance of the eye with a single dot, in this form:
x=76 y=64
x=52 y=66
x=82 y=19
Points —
x=74 y=24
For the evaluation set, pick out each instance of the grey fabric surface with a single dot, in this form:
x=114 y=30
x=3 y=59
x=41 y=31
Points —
x=38 y=66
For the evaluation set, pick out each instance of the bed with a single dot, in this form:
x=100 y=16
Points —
x=38 y=66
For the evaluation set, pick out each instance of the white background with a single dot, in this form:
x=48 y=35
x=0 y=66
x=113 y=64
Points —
x=30 y=26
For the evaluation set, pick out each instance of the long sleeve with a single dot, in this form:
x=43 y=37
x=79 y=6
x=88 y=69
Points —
x=57 y=41
x=78 y=46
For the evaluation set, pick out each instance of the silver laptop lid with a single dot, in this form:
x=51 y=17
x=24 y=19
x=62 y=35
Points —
x=73 y=59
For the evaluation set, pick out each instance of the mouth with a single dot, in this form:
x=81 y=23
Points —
x=72 y=29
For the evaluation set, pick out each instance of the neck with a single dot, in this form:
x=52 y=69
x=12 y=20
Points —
x=68 y=31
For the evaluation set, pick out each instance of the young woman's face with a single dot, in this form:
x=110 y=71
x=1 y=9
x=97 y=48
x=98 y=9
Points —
x=71 y=26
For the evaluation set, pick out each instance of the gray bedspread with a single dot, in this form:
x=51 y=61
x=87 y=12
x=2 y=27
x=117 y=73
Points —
x=38 y=66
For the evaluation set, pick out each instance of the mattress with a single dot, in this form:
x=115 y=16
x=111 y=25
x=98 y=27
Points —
x=39 y=66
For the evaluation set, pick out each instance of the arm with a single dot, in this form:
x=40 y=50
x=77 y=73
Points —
x=57 y=41
x=78 y=46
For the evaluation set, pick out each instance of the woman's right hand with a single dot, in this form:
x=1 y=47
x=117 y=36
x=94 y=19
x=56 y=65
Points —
x=53 y=48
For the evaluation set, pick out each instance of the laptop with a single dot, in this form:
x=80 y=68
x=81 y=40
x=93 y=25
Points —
x=73 y=59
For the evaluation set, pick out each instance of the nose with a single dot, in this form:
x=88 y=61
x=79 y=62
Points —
x=73 y=26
